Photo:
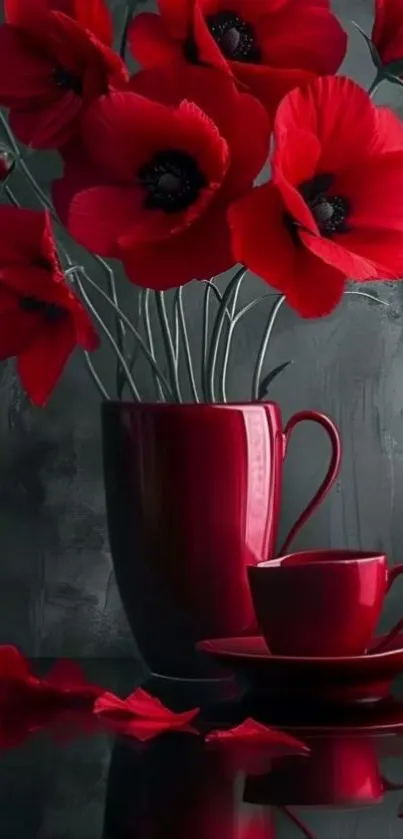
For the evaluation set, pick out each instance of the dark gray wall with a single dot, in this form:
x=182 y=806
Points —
x=57 y=592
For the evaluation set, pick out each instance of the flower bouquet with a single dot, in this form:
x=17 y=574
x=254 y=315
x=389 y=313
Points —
x=160 y=169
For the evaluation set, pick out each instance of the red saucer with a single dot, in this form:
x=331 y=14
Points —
x=365 y=678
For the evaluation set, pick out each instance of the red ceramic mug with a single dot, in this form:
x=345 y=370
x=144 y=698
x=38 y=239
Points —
x=193 y=497
x=322 y=602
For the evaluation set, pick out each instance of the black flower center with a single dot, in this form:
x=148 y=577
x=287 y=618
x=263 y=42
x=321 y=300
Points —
x=329 y=211
x=67 y=80
x=235 y=37
x=49 y=311
x=172 y=181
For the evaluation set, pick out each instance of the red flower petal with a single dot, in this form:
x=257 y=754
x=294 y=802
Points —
x=176 y=15
x=315 y=288
x=79 y=175
x=133 y=126
x=294 y=162
x=268 y=84
x=13 y=665
x=252 y=731
x=49 y=127
x=361 y=255
x=253 y=11
x=328 y=108
x=25 y=74
x=233 y=113
x=208 y=50
x=260 y=238
x=200 y=252
x=306 y=36
x=262 y=241
x=26 y=236
x=144 y=730
x=144 y=706
x=98 y=216
x=150 y=42
x=67 y=677
x=91 y=14
x=387 y=33
x=388 y=131
x=247 y=131
x=375 y=194
x=41 y=364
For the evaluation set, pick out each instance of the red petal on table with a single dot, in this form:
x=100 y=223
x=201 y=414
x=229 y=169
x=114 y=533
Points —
x=142 y=705
x=68 y=677
x=13 y=665
x=251 y=731
x=143 y=730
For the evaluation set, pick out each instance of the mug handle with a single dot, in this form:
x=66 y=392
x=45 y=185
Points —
x=333 y=471
x=393 y=573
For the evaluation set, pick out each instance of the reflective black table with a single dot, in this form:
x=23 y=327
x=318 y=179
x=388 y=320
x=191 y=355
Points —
x=76 y=783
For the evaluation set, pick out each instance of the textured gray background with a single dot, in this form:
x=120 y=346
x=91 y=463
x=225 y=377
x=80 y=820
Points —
x=57 y=592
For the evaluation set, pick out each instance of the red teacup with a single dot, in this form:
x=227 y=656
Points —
x=322 y=602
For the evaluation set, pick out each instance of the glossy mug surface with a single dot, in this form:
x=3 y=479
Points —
x=193 y=497
x=323 y=602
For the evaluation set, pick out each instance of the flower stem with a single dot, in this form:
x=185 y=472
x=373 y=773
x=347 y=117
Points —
x=150 y=338
x=127 y=19
x=108 y=335
x=94 y=376
x=143 y=347
x=205 y=337
x=263 y=347
x=168 y=344
x=379 y=78
x=234 y=322
x=231 y=290
x=185 y=338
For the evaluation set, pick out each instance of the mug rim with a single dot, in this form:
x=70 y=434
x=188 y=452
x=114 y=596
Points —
x=345 y=556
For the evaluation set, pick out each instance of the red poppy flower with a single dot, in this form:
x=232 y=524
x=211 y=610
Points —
x=334 y=206
x=41 y=320
x=387 y=33
x=167 y=171
x=50 y=71
x=93 y=15
x=269 y=46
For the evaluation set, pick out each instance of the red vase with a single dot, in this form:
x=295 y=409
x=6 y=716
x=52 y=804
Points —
x=193 y=496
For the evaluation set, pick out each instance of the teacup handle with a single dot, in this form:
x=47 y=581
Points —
x=333 y=471
x=393 y=573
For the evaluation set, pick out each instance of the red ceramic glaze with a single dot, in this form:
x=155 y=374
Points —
x=343 y=680
x=193 y=497
x=339 y=771
x=321 y=603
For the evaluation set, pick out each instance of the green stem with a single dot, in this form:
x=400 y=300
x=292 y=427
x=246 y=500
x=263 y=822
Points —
x=205 y=337
x=127 y=19
x=94 y=376
x=263 y=347
x=168 y=344
x=379 y=78
x=143 y=347
x=230 y=291
x=186 y=343
x=150 y=339
x=235 y=320
x=108 y=336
